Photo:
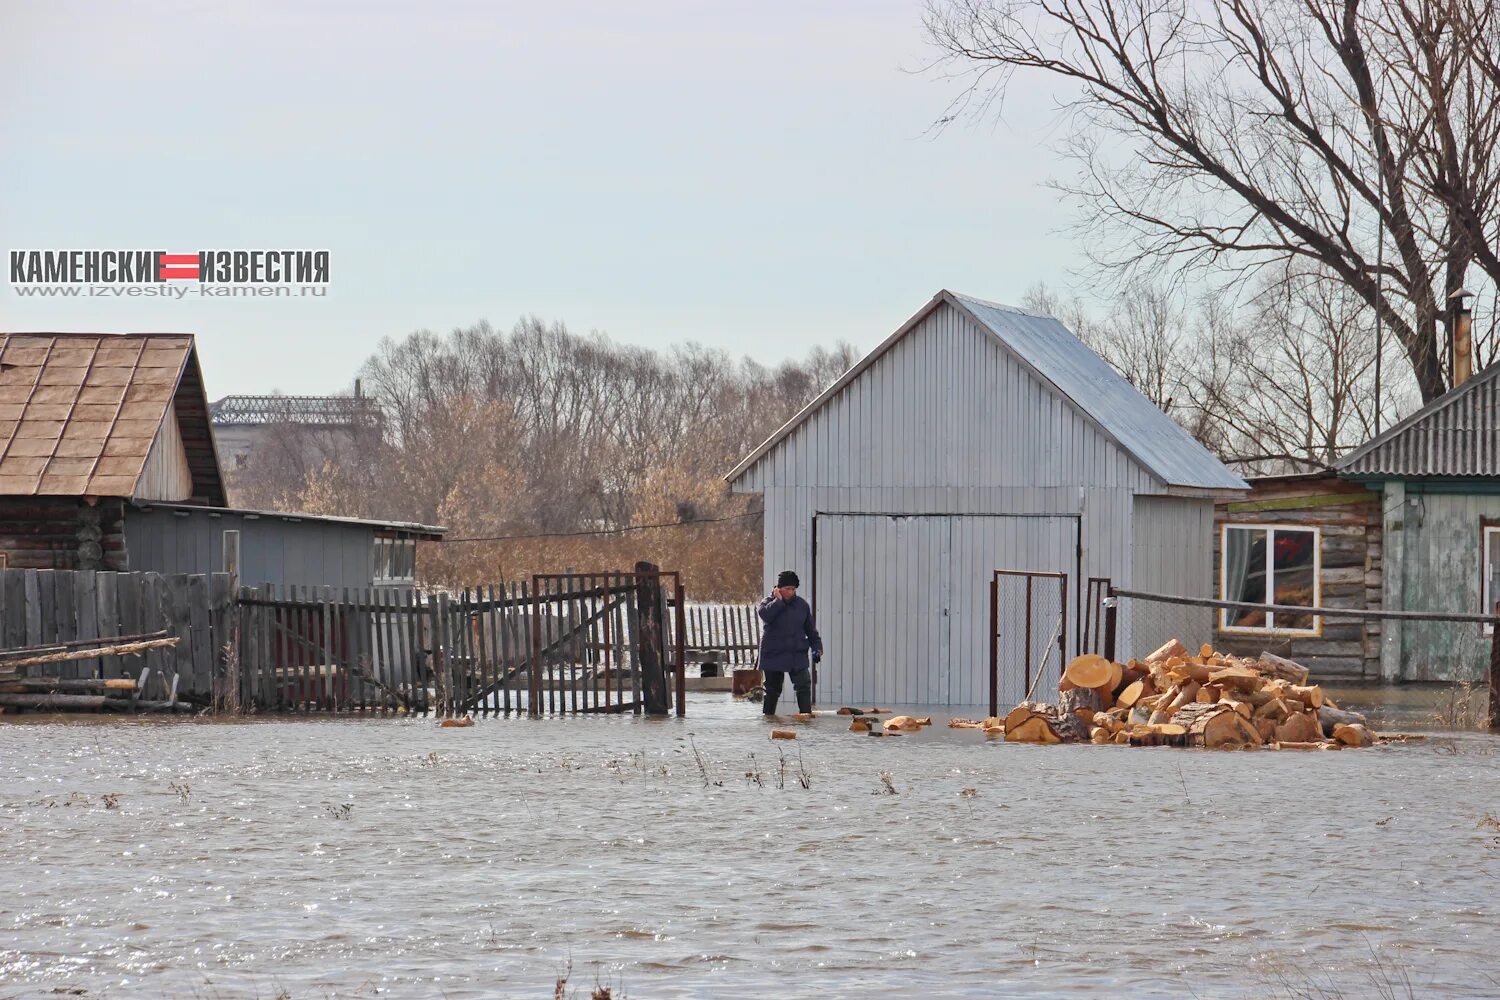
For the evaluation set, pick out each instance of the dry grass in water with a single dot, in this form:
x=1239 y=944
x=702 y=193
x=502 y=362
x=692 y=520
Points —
x=1465 y=707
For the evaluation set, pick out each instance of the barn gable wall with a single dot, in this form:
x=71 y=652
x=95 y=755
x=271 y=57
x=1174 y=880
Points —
x=947 y=406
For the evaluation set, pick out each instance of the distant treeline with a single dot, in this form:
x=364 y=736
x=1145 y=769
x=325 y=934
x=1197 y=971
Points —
x=541 y=430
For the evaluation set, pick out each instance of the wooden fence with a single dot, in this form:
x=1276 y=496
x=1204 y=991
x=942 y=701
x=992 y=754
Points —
x=730 y=629
x=604 y=642
x=607 y=642
x=40 y=607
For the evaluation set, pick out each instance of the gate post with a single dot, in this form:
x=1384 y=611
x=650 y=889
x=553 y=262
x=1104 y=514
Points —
x=1111 y=623
x=680 y=597
x=649 y=642
x=995 y=645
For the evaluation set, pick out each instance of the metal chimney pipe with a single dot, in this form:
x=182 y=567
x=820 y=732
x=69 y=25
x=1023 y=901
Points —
x=1461 y=340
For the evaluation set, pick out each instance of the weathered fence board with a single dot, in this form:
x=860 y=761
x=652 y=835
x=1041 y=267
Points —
x=64 y=606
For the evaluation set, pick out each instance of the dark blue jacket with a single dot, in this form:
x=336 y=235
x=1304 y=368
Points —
x=788 y=634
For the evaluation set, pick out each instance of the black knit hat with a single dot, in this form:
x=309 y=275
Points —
x=788 y=579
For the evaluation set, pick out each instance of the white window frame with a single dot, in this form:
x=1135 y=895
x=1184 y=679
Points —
x=1270 y=530
x=1486 y=599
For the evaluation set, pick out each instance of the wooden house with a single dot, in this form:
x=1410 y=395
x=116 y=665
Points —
x=1310 y=539
x=1409 y=521
x=107 y=462
x=975 y=437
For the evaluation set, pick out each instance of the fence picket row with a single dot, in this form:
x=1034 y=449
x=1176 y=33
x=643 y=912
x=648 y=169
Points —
x=564 y=643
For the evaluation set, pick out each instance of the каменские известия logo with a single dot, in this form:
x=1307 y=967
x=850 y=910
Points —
x=206 y=273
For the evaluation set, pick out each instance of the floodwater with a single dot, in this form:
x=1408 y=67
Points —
x=393 y=858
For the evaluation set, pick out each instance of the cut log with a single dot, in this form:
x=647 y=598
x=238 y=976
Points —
x=902 y=724
x=1300 y=727
x=1353 y=735
x=1082 y=702
x=1088 y=671
x=965 y=724
x=1191 y=671
x=1244 y=708
x=463 y=723
x=1132 y=693
x=1218 y=725
x=1167 y=651
x=1275 y=709
x=1275 y=666
x=1022 y=725
x=1266 y=728
x=783 y=734
x=1208 y=693
x=1100 y=735
x=859 y=726
x=1239 y=678
x=1187 y=695
x=1312 y=696
x=1032 y=730
x=1331 y=717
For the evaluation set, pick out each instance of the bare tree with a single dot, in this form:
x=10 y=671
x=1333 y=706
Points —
x=1353 y=140
x=543 y=431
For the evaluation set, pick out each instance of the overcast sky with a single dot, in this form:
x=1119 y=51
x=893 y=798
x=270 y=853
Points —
x=759 y=177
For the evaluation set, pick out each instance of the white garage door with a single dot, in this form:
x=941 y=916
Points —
x=903 y=601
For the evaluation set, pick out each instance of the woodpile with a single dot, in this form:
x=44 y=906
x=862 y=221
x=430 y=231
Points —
x=28 y=678
x=1177 y=697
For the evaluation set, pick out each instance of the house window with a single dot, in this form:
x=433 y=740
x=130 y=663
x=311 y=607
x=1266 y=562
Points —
x=395 y=560
x=1270 y=564
x=1491 y=573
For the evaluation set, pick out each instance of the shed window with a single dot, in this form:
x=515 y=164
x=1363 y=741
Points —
x=1270 y=564
x=395 y=560
x=1491 y=573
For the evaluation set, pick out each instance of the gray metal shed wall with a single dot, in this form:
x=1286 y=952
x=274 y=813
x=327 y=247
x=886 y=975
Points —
x=948 y=422
x=306 y=553
x=1441 y=536
x=1172 y=552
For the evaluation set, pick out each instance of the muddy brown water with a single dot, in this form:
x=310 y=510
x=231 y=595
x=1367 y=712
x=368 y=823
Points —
x=393 y=858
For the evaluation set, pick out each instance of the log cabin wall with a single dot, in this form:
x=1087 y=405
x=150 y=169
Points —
x=1348 y=517
x=42 y=532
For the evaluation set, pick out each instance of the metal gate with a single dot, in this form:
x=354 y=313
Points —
x=1028 y=633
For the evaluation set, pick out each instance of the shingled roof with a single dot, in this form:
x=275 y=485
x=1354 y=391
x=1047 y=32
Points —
x=79 y=413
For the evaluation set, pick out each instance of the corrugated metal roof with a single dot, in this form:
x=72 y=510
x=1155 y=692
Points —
x=1138 y=425
x=1043 y=344
x=1457 y=434
x=79 y=412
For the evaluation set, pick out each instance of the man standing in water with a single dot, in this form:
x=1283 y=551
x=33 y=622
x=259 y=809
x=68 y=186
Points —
x=788 y=636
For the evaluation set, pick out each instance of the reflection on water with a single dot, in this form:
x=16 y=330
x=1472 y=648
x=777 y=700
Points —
x=393 y=858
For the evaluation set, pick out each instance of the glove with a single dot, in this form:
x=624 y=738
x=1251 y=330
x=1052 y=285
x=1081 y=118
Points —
x=817 y=657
